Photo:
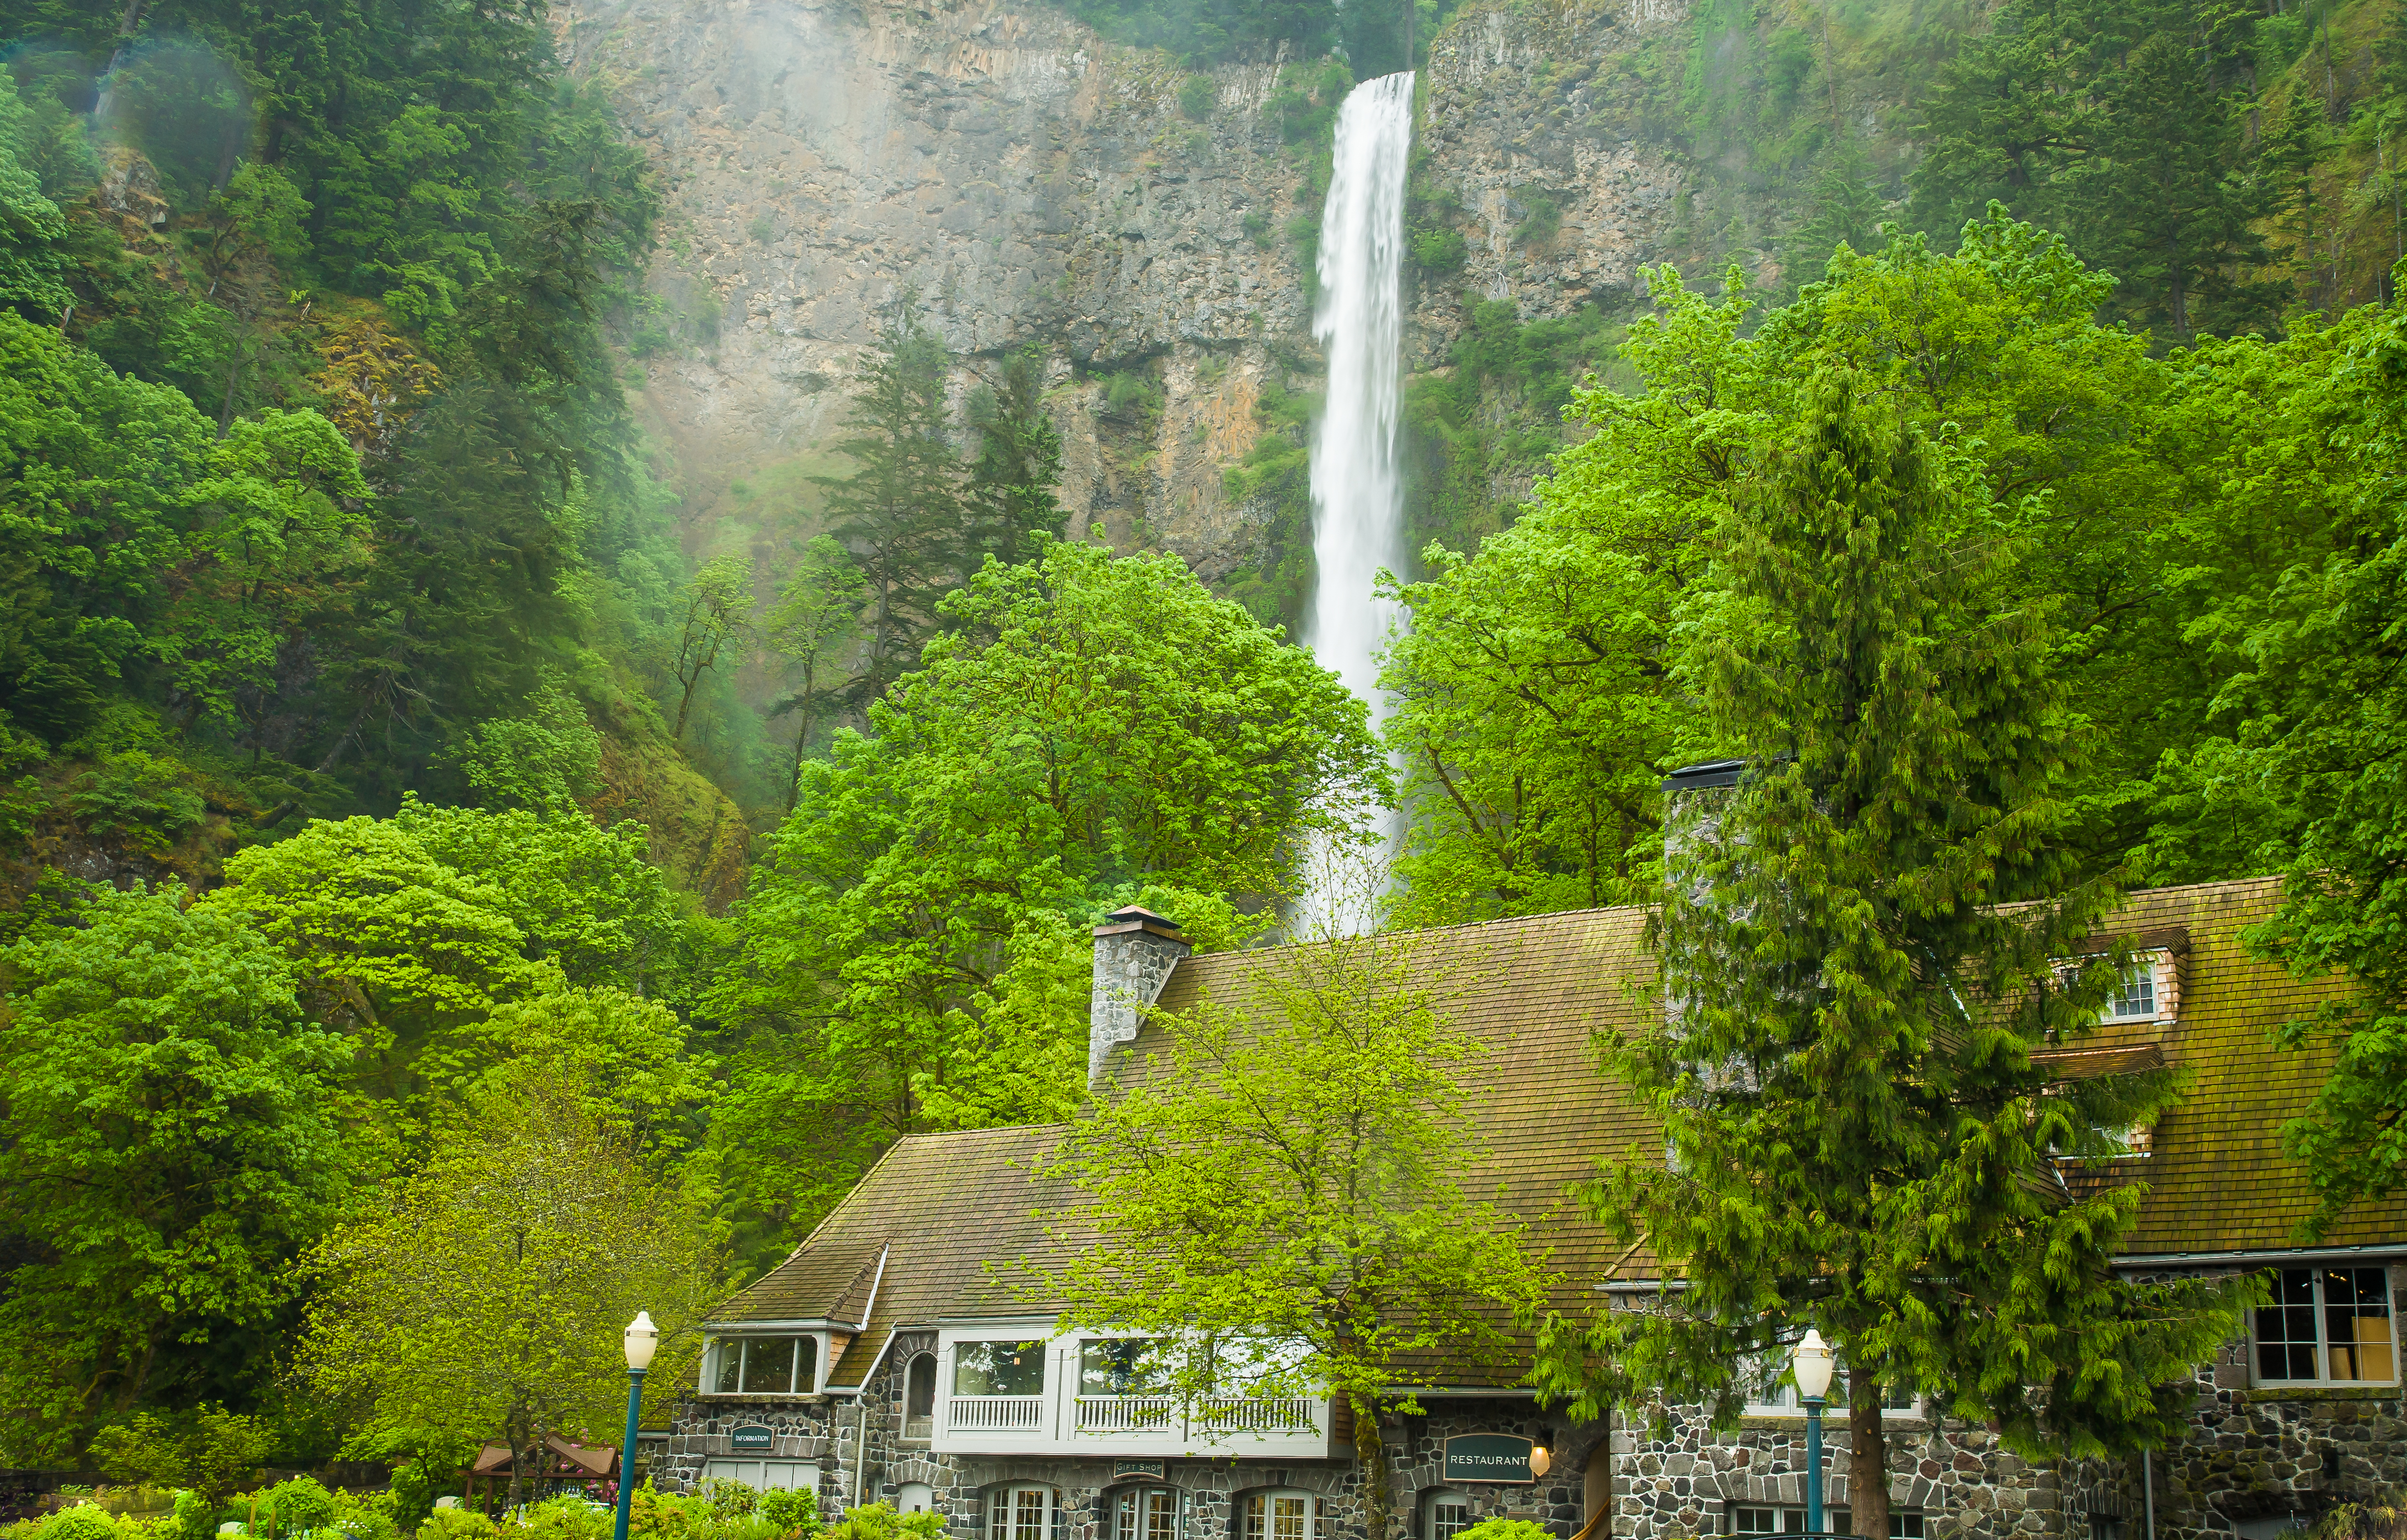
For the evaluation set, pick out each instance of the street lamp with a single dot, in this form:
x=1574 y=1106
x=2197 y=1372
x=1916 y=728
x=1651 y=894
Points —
x=643 y=1338
x=1811 y=1365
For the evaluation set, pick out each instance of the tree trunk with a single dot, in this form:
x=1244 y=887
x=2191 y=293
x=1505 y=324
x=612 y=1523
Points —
x=1370 y=1452
x=1867 y=1456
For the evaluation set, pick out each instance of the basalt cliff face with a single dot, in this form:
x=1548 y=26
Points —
x=1032 y=184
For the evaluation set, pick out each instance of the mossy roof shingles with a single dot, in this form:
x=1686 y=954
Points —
x=953 y=1215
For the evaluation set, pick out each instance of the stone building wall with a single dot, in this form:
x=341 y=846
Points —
x=2253 y=1462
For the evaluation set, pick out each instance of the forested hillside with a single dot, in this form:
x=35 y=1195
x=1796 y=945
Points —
x=384 y=829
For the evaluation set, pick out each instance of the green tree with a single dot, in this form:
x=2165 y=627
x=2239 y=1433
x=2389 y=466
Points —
x=717 y=612
x=1532 y=714
x=900 y=511
x=1860 y=947
x=172 y=1145
x=1011 y=502
x=1278 y=1197
x=33 y=266
x=818 y=611
x=209 y=1450
x=1092 y=730
x=546 y=1233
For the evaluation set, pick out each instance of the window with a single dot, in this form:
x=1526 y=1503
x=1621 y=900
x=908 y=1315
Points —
x=1904 y=1524
x=919 y=1396
x=766 y=1475
x=1773 y=1390
x=1450 y=1515
x=1019 y=1512
x=2134 y=998
x=1131 y=1366
x=1144 y=1513
x=2327 y=1323
x=767 y=1365
x=999 y=1368
x=1279 y=1516
x=915 y=1497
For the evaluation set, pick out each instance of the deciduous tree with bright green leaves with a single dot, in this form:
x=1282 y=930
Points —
x=1095 y=730
x=173 y=1142
x=1277 y=1195
x=1862 y=944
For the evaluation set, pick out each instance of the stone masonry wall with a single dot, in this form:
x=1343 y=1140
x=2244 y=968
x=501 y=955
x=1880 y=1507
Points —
x=2253 y=1457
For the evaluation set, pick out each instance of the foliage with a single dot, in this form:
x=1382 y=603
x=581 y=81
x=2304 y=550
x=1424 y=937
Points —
x=209 y=1450
x=172 y=1143
x=817 y=613
x=550 y=1232
x=717 y=611
x=1010 y=501
x=1092 y=730
x=1869 y=935
x=1291 y=1173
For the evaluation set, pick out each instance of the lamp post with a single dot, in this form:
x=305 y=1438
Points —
x=642 y=1340
x=1811 y=1365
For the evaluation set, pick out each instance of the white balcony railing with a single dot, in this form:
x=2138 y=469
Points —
x=1129 y=1413
x=1252 y=1414
x=997 y=1413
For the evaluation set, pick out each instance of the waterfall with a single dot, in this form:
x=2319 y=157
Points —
x=1358 y=511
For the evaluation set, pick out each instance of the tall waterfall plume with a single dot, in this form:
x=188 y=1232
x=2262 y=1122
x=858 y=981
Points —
x=1358 y=511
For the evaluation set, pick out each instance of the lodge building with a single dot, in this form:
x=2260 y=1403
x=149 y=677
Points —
x=893 y=1359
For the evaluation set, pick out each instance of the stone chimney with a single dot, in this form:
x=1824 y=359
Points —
x=1135 y=949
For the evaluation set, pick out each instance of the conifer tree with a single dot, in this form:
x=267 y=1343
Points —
x=1012 y=500
x=1865 y=943
x=900 y=511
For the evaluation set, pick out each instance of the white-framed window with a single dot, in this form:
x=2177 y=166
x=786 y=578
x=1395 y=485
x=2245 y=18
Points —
x=2134 y=996
x=1280 y=1516
x=999 y=1368
x=764 y=1365
x=1903 y=1523
x=1144 y=1513
x=1023 y=1511
x=2328 y=1325
x=766 y=1475
x=1445 y=1515
x=1771 y=1392
x=1123 y=1365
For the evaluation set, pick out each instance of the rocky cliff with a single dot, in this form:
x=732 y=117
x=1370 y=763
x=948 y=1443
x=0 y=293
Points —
x=1034 y=185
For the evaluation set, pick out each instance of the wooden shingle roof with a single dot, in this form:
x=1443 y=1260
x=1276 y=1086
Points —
x=950 y=1216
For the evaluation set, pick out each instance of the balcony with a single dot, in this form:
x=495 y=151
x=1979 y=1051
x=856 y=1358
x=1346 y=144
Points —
x=1060 y=1421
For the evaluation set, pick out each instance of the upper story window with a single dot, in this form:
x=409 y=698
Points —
x=919 y=1396
x=2134 y=999
x=998 y=1368
x=2327 y=1323
x=1127 y=1366
x=765 y=1365
x=1280 y=1516
x=1771 y=1392
x=1144 y=1513
x=1025 y=1511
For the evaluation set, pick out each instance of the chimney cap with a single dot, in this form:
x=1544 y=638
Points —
x=1713 y=772
x=1130 y=918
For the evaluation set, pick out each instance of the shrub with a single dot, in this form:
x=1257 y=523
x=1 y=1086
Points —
x=1439 y=249
x=86 y=1521
x=1196 y=96
x=1506 y=1529
x=139 y=795
x=457 y=1524
x=297 y=1506
x=564 y=1519
x=794 y=1511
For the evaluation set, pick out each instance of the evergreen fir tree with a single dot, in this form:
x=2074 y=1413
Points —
x=1865 y=944
x=1012 y=499
x=900 y=511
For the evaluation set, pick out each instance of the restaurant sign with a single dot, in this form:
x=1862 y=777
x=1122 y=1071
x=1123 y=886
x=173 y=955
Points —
x=1488 y=1457
x=751 y=1438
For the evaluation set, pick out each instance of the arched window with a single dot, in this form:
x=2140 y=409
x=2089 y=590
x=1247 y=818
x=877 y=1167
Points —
x=915 y=1497
x=1444 y=1514
x=1021 y=1511
x=919 y=1397
x=1144 y=1513
x=1279 y=1515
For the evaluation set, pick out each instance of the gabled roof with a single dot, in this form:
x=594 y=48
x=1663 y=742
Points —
x=952 y=1215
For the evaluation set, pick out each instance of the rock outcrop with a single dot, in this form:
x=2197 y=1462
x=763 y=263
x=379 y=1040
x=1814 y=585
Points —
x=1034 y=186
